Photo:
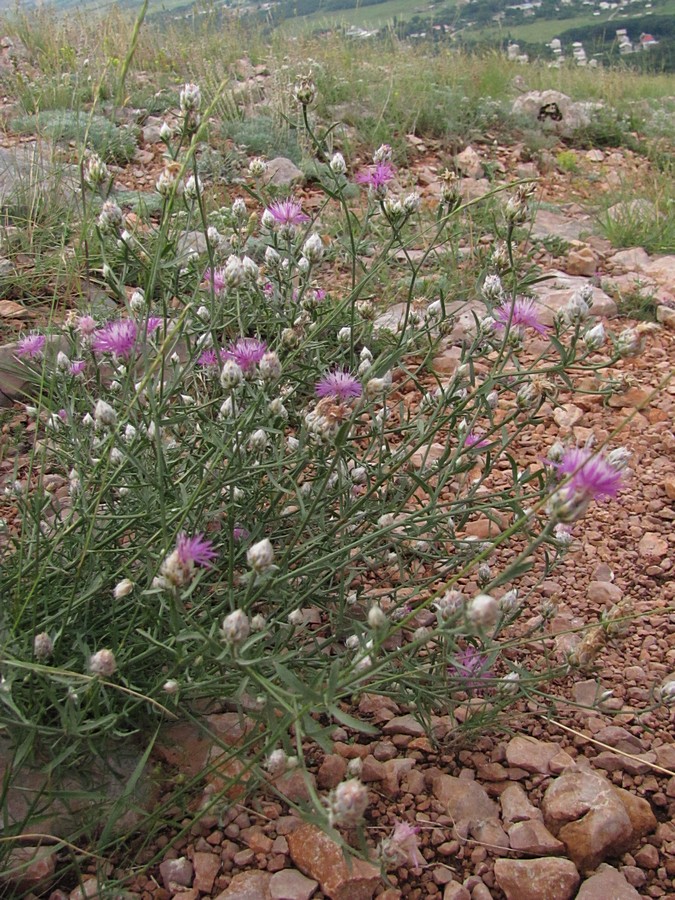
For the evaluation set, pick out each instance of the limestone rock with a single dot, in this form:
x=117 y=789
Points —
x=605 y=883
x=592 y=817
x=250 y=885
x=544 y=106
x=534 y=837
x=534 y=879
x=320 y=858
x=281 y=172
x=516 y=806
x=530 y=754
x=581 y=261
x=652 y=546
x=289 y=884
x=469 y=164
x=466 y=801
x=176 y=873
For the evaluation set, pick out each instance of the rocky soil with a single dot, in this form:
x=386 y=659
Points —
x=576 y=798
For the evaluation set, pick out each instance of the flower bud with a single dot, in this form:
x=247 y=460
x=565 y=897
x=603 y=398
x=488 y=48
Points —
x=43 y=646
x=104 y=414
x=313 y=249
x=337 y=164
x=257 y=167
x=483 y=611
x=347 y=803
x=103 y=663
x=376 y=617
x=231 y=375
x=260 y=556
x=123 y=588
x=171 y=686
x=236 y=628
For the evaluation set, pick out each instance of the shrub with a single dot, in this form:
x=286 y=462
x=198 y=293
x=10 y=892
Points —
x=114 y=143
x=266 y=483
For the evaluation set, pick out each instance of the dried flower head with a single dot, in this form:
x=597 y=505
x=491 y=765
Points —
x=348 y=803
x=103 y=663
x=401 y=848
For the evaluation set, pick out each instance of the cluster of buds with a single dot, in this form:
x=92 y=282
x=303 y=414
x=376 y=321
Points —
x=111 y=219
x=236 y=628
x=190 y=103
x=103 y=663
x=257 y=167
x=304 y=90
x=95 y=172
x=516 y=209
x=347 y=804
x=167 y=182
x=260 y=557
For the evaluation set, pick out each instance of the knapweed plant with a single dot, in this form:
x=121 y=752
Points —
x=252 y=489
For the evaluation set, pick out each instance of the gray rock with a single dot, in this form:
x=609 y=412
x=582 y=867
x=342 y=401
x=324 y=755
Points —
x=539 y=105
x=465 y=800
x=282 y=172
x=631 y=210
x=469 y=164
x=548 y=223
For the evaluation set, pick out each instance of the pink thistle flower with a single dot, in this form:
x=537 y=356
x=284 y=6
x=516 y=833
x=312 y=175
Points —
x=472 y=667
x=77 y=367
x=319 y=295
x=196 y=550
x=246 y=352
x=402 y=847
x=338 y=384
x=524 y=315
x=117 y=338
x=153 y=324
x=287 y=212
x=590 y=475
x=32 y=345
x=86 y=325
x=239 y=533
x=216 y=278
x=475 y=441
x=209 y=359
x=268 y=288
x=377 y=176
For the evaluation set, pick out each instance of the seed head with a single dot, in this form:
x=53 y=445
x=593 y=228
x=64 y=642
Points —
x=103 y=663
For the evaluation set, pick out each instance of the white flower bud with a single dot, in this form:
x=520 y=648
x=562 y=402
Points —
x=258 y=441
x=43 y=646
x=313 y=249
x=292 y=443
x=123 y=588
x=483 y=611
x=258 y=623
x=257 y=167
x=272 y=258
x=103 y=663
x=344 y=335
x=166 y=132
x=239 y=209
x=348 y=803
x=595 y=337
x=268 y=220
x=231 y=374
x=104 y=414
x=171 y=686
x=337 y=164
x=137 y=301
x=376 y=617
x=236 y=627
x=260 y=556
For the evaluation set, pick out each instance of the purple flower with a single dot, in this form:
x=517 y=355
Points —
x=402 y=847
x=86 y=325
x=239 y=533
x=376 y=176
x=590 y=475
x=32 y=345
x=194 y=550
x=246 y=352
x=118 y=338
x=472 y=667
x=475 y=441
x=524 y=315
x=153 y=324
x=216 y=278
x=77 y=367
x=287 y=212
x=338 y=384
x=319 y=295
x=209 y=359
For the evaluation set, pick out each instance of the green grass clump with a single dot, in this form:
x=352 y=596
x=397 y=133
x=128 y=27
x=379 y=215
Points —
x=114 y=143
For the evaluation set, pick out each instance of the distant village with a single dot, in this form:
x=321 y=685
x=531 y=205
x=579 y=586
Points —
x=578 y=53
